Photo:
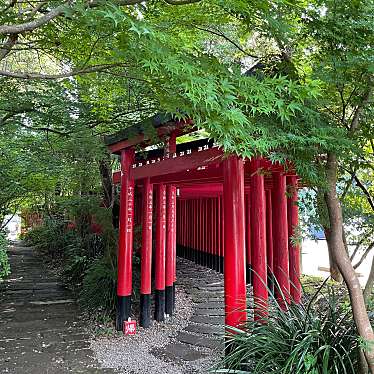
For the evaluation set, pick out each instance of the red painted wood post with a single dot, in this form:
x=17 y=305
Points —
x=172 y=148
x=219 y=230
x=214 y=233
x=189 y=230
x=258 y=240
x=211 y=231
x=204 y=236
x=175 y=249
x=222 y=216
x=248 y=245
x=199 y=222
x=294 y=248
x=125 y=240
x=160 y=253
x=234 y=241
x=280 y=239
x=146 y=255
x=170 y=259
x=269 y=239
x=194 y=228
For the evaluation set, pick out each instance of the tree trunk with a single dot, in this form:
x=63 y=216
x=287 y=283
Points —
x=106 y=182
x=369 y=284
x=341 y=257
x=334 y=269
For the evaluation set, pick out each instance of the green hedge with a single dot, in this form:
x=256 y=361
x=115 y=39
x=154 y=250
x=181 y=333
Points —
x=4 y=262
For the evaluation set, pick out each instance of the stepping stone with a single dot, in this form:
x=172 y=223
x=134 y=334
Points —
x=200 y=341
x=182 y=351
x=205 y=329
x=210 y=305
x=209 y=312
x=209 y=320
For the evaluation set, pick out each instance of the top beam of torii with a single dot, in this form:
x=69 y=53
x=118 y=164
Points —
x=192 y=160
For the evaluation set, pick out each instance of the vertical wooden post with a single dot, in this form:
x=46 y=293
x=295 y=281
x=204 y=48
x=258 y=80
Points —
x=258 y=240
x=234 y=241
x=125 y=240
x=248 y=244
x=170 y=248
x=160 y=253
x=293 y=247
x=269 y=239
x=146 y=255
x=222 y=262
x=280 y=238
x=175 y=247
x=171 y=237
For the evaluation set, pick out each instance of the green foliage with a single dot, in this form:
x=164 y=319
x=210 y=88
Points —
x=99 y=290
x=50 y=239
x=318 y=337
x=4 y=263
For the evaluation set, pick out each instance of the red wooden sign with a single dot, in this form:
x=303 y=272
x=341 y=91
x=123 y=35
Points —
x=129 y=327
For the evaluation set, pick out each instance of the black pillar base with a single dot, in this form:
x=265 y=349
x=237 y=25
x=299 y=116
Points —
x=169 y=300
x=249 y=274
x=221 y=265
x=271 y=283
x=159 y=305
x=123 y=311
x=145 y=310
x=174 y=297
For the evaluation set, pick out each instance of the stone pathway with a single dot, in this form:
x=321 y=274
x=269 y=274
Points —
x=190 y=342
x=203 y=336
x=40 y=330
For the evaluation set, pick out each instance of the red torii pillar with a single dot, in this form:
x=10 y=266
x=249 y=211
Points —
x=160 y=253
x=258 y=242
x=146 y=255
x=125 y=242
x=170 y=257
x=248 y=239
x=269 y=240
x=293 y=247
x=280 y=239
x=234 y=241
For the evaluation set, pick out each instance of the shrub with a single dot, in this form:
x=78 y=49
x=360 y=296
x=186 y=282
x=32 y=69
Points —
x=99 y=287
x=317 y=338
x=50 y=238
x=4 y=263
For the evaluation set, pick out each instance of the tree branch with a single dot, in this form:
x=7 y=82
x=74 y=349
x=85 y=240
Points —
x=365 y=254
x=358 y=245
x=46 y=129
x=87 y=70
x=181 y=2
x=364 y=190
x=357 y=113
x=8 y=45
x=369 y=284
x=59 y=10
x=32 y=25
x=224 y=36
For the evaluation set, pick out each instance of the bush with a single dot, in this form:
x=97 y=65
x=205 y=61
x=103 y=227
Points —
x=99 y=289
x=50 y=238
x=317 y=338
x=4 y=263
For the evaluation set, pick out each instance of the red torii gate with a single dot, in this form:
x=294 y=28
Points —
x=233 y=215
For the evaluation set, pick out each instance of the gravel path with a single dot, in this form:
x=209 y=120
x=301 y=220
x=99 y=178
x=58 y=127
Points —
x=189 y=342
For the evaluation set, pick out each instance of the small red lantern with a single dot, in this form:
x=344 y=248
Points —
x=129 y=327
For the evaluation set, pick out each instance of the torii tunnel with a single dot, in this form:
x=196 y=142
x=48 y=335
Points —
x=234 y=215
